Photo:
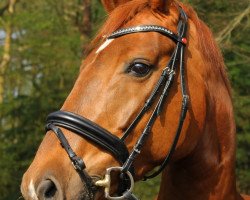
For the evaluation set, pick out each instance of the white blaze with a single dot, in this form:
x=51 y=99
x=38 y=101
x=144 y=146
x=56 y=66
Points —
x=32 y=191
x=104 y=45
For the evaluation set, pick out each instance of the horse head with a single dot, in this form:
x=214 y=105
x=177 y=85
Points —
x=127 y=111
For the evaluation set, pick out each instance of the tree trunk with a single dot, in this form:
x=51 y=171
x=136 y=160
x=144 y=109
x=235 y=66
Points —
x=84 y=22
x=7 y=45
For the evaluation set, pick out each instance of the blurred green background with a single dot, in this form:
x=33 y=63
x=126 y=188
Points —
x=41 y=45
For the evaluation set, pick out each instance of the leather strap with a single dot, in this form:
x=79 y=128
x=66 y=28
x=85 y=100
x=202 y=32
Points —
x=76 y=161
x=182 y=30
x=145 y=28
x=91 y=131
x=163 y=85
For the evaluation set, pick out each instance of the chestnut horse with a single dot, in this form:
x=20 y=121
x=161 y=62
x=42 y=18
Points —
x=116 y=78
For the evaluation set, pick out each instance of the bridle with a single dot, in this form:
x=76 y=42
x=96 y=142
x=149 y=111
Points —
x=111 y=143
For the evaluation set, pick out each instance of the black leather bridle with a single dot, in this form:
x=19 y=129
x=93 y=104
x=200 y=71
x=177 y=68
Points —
x=111 y=143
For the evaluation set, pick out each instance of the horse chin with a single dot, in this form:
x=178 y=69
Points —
x=82 y=193
x=89 y=195
x=85 y=190
x=80 y=187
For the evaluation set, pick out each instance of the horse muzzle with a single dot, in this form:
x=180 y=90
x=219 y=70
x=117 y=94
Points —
x=52 y=187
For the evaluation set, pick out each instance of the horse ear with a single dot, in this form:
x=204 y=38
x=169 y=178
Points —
x=110 y=5
x=161 y=5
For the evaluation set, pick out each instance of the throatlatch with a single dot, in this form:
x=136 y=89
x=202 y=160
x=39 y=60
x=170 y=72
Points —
x=114 y=145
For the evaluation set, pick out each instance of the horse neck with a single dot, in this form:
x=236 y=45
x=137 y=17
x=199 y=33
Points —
x=208 y=172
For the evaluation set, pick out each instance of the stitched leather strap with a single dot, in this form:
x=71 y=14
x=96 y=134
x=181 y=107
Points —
x=76 y=161
x=90 y=131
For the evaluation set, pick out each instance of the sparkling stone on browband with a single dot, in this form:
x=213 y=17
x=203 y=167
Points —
x=146 y=28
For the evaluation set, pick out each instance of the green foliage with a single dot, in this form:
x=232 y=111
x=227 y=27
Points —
x=46 y=55
x=147 y=190
x=45 y=58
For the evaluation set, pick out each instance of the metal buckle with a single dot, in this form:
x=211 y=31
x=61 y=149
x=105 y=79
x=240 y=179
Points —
x=106 y=183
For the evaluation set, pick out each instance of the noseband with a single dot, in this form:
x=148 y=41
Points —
x=111 y=143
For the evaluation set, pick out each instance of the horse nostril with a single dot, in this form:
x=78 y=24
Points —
x=51 y=190
x=48 y=190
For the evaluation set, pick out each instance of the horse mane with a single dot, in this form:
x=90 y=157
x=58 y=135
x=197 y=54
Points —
x=208 y=45
x=125 y=12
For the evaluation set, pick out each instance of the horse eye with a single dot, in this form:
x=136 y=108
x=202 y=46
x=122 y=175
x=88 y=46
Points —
x=139 y=69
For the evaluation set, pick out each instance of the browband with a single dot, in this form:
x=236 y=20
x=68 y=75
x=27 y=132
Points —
x=146 y=28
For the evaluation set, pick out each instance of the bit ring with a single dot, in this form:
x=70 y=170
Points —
x=106 y=183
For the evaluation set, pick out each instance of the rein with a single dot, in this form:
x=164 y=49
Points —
x=111 y=143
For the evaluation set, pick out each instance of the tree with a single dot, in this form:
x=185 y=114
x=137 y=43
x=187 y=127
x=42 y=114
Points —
x=7 y=25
